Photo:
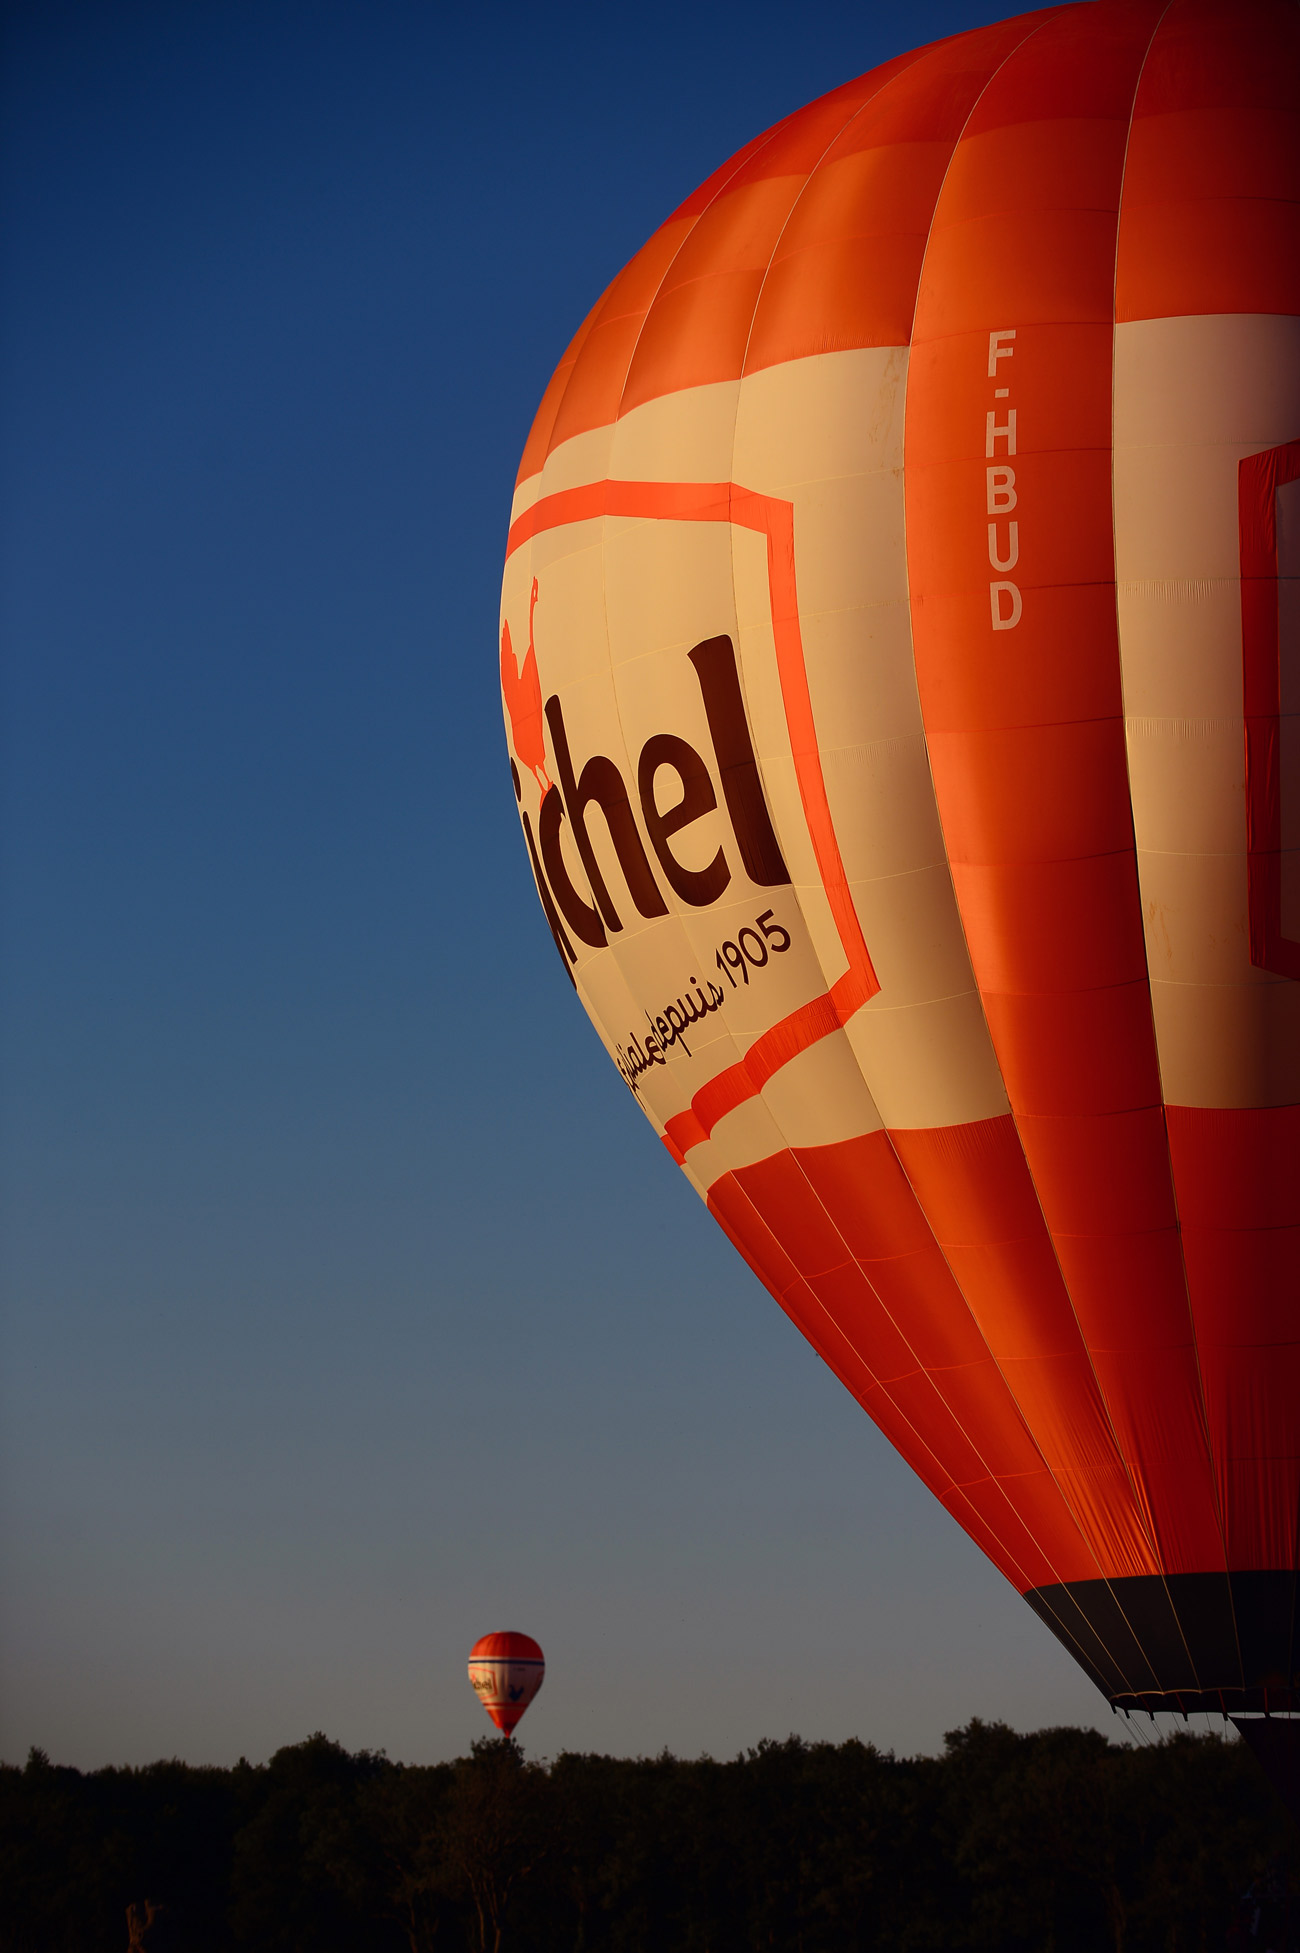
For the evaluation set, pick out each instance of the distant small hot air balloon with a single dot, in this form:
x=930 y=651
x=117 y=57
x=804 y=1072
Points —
x=505 y=1672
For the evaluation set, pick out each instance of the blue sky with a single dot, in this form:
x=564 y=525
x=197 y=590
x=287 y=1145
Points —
x=350 y=1310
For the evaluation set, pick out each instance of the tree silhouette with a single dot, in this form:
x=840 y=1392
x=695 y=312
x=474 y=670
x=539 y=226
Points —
x=1055 y=1842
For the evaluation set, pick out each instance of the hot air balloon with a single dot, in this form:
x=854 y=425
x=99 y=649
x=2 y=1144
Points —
x=505 y=1672
x=907 y=751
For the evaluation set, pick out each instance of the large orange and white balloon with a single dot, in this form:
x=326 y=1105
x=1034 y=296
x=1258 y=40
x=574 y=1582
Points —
x=505 y=1672
x=902 y=677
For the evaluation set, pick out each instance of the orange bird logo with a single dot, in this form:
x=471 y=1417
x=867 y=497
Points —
x=523 y=696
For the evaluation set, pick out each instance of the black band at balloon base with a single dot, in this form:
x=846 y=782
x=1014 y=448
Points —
x=1225 y=1642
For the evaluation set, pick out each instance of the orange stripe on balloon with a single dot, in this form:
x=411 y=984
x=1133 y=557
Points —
x=1211 y=218
x=1024 y=714
x=851 y=1242
x=1210 y=224
x=807 y=241
x=772 y=518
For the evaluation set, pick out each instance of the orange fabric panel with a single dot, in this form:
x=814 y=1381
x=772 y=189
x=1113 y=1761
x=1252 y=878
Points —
x=957 y=1503
x=1237 y=1175
x=537 y=446
x=800 y=1222
x=1080 y=1052
x=855 y=1309
x=697 y=329
x=972 y=1182
x=1081 y=175
x=863 y=1185
x=928 y=1405
x=1110 y=1270
x=979 y=1508
x=1023 y=1511
x=1023 y=709
x=977 y=1396
x=750 y=1235
x=1259 y=1490
x=848 y=273
x=895 y=1300
x=922 y=1305
x=1073 y=550
x=1237 y=1170
x=1015 y=1289
x=1039 y=690
x=845 y=269
x=816 y=1326
x=1237 y=255
x=1022 y=1562
x=765 y=177
x=932 y=100
x=975 y=1188
x=694 y=335
x=699 y=200
x=1089 y=935
x=1226 y=153
x=1115 y=1165
x=1244 y=1287
x=798 y=146
x=736 y=233
x=1079 y=67
x=595 y=384
x=977 y=266
x=1211 y=217
x=1081 y=417
x=1077 y=774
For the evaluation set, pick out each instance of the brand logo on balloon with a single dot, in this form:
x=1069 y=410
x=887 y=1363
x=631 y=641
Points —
x=647 y=797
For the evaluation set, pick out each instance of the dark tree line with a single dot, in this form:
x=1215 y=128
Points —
x=1059 y=1842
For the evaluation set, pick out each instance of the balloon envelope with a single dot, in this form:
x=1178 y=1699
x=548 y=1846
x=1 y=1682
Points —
x=505 y=1672
x=901 y=670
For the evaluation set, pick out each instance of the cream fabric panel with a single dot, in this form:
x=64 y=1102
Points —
x=1193 y=396
x=827 y=434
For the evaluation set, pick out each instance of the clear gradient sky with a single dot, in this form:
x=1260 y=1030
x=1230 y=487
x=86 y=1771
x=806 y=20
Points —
x=350 y=1308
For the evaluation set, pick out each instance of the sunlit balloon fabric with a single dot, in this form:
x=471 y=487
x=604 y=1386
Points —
x=900 y=651
x=505 y=1673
